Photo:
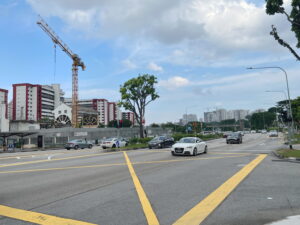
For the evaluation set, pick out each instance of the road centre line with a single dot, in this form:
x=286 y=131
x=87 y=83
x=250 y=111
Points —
x=202 y=210
x=113 y=164
x=148 y=211
x=46 y=160
x=37 y=218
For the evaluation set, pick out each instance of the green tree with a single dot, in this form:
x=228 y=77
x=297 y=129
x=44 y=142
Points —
x=293 y=17
x=101 y=125
x=154 y=125
x=126 y=123
x=136 y=94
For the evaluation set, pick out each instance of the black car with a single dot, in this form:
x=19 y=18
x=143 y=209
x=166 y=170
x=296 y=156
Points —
x=234 y=138
x=161 y=142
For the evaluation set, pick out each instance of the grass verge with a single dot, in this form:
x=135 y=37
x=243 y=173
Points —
x=285 y=153
x=129 y=147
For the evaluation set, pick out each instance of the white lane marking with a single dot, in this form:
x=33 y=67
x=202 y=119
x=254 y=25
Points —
x=18 y=157
x=262 y=144
x=241 y=165
x=292 y=220
x=269 y=198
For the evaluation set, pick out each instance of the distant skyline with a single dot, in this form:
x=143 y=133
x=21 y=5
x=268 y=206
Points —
x=198 y=49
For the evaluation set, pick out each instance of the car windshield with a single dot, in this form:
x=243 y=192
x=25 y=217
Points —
x=187 y=140
x=158 y=138
x=110 y=139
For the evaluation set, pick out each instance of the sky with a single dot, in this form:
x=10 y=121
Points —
x=198 y=50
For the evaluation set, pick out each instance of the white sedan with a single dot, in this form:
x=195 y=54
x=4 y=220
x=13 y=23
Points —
x=114 y=143
x=189 y=146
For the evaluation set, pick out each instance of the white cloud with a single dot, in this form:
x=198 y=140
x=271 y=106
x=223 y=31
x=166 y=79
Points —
x=153 y=66
x=129 y=64
x=174 y=82
x=205 y=29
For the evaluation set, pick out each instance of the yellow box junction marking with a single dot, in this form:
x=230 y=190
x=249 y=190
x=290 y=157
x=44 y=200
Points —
x=201 y=211
x=37 y=218
x=148 y=211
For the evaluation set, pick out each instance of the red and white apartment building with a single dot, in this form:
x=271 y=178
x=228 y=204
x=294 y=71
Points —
x=129 y=116
x=107 y=111
x=32 y=102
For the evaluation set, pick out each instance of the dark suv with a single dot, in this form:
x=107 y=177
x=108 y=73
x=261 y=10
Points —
x=234 y=138
x=161 y=142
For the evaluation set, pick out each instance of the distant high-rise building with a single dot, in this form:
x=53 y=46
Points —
x=4 y=121
x=222 y=114
x=186 y=118
x=3 y=100
x=33 y=102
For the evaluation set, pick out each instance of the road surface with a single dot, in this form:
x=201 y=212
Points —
x=235 y=184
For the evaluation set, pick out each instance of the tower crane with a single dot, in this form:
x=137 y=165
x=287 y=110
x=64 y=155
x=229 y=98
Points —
x=76 y=63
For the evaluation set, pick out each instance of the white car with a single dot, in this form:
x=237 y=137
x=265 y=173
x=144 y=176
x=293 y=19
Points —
x=189 y=146
x=114 y=143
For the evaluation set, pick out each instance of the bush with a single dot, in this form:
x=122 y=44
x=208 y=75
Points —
x=139 y=140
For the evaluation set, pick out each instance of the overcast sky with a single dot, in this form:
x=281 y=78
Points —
x=198 y=49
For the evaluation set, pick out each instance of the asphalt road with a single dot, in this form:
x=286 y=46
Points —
x=100 y=188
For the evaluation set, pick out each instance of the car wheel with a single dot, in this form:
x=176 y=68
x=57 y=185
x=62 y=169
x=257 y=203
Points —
x=76 y=147
x=205 y=150
x=90 y=146
x=68 y=148
x=172 y=153
x=195 y=152
x=150 y=147
x=227 y=142
x=103 y=147
x=126 y=144
x=114 y=146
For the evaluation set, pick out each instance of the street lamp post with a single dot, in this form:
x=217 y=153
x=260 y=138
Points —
x=288 y=91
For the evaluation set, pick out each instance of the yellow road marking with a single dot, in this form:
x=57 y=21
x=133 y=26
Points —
x=37 y=218
x=113 y=164
x=193 y=159
x=197 y=215
x=148 y=211
x=62 y=168
x=46 y=160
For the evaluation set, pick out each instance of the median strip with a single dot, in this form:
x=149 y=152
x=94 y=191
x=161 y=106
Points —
x=37 y=218
x=148 y=211
x=201 y=211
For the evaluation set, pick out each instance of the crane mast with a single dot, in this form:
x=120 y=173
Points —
x=76 y=63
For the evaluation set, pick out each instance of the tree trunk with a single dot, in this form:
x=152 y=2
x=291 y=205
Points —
x=141 y=130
